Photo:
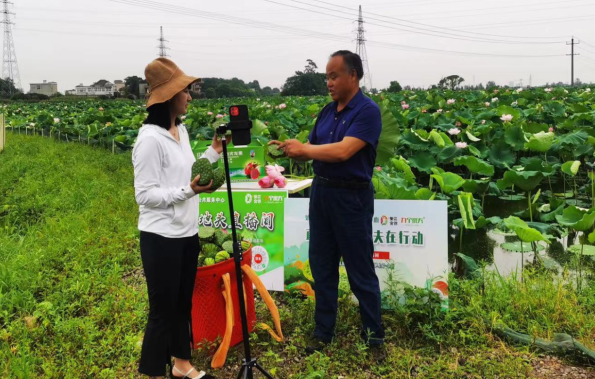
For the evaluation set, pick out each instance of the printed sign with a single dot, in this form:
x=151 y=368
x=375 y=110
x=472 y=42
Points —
x=259 y=219
x=410 y=240
x=245 y=163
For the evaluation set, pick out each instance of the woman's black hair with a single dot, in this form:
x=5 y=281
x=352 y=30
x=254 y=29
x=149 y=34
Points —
x=159 y=114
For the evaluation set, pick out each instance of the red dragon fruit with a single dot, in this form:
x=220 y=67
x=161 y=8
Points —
x=266 y=182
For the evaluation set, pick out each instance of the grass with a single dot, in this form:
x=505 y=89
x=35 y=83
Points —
x=73 y=300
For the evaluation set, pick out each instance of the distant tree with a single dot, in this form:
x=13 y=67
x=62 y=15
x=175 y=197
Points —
x=255 y=85
x=578 y=82
x=450 y=82
x=223 y=90
x=211 y=93
x=132 y=85
x=276 y=91
x=305 y=83
x=394 y=87
x=7 y=88
x=374 y=91
x=491 y=84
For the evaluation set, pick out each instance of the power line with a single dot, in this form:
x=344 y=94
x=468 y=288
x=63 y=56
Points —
x=302 y=32
x=432 y=26
x=528 y=22
x=162 y=47
x=428 y=32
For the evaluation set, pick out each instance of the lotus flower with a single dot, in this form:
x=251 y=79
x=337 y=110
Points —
x=483 y=122
x=257 y=99
x=32 y=124
x=424 y=111
x=209 y=113
x=66 y=107
x=274 y=171
x=101 y=109
x=268 y=105
x=108 y=124
x=487 y=104
x=461 y=145
x=266 y=182
x=219 y=116
x=403 y=102
x=56 y=120
x=454 y=131
x=506 y=117
x=496 y=91
x=282 y=106
x=514 y=104
x=519 y=90
x=451 y=101
x=458 y=124
x=549 y=89
x=281 y=181
x=588 y=90
x=378 y=168
x=551 y=129
x=439 y=111
x=405 y=106
x=494 y=99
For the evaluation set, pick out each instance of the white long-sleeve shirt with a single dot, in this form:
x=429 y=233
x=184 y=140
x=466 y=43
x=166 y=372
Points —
x=162 y=174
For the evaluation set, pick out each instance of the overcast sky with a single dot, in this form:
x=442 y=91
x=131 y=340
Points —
x=413 y=41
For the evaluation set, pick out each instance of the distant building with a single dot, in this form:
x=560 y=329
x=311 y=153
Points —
x=102 y=87
x=143 y=89
x=45 y=88
x=70 y=92
x=196 y=87
x=119 y=85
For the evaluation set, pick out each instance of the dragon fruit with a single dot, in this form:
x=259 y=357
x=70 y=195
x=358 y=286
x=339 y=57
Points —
x=274 y=171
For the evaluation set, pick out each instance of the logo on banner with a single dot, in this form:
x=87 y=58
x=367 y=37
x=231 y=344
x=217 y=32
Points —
x=260 y=258
x=384 y=220
x=248 y=198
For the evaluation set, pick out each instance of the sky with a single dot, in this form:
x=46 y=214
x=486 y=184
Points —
x=416 y=42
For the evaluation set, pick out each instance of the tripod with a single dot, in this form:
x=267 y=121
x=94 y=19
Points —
x=248 y=363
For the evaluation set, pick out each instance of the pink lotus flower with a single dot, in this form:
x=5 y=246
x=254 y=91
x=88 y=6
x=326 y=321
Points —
x=108 y=124
x=281 y=182
x=451 y=101
x=56 y=120
x=461 y=145
x=424 y=111
x=551 y=129
x=209 y=113
x=274 y=171
x=405 y=106
x=458 y=124
x=403 y=102
x=378 y=168
x=487 y=104
x=506 y=117
x=439 y=111
x=454 y=131
x=282 y=106
x=483 y=122
x=266 y=182
x=101 y=109
x=219 y=116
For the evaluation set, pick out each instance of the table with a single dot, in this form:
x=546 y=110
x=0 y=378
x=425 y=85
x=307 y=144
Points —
x=293 y=186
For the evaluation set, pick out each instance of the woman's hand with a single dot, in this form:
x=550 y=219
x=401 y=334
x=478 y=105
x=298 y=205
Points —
x=201 y=189
x=218 y=143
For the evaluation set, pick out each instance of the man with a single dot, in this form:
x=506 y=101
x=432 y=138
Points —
x=343 y=147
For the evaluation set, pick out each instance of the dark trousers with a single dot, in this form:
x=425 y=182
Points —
x=170 y=270
x=341 y=226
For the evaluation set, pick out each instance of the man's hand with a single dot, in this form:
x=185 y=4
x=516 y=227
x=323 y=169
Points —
x=294 y=149
x=201 y=189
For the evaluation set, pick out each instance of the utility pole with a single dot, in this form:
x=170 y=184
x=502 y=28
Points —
x=162 y=47
x=531 y=80
x=10 y=68
x=572 y=54
x=361 y=51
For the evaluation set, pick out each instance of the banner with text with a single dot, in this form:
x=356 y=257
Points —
x=259 y=219
x=410 y=240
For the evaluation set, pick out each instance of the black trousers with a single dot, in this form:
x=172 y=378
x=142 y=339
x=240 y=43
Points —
x=341 y=227
x=170 y=270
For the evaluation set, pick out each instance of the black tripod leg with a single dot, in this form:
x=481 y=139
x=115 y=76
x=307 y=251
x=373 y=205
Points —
x=263 y=371
x=242 y=371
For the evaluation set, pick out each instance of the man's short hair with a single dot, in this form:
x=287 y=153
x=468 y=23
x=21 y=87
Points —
x=352 y=61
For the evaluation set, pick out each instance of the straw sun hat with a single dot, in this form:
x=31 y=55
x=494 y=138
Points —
x=165 y=80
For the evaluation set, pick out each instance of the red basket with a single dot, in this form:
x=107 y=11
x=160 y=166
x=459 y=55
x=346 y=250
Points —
x=208 y=303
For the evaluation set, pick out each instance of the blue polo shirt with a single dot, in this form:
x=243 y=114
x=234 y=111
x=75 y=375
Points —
x=360 y=119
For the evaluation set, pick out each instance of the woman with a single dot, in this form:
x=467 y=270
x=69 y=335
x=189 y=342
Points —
x=168 y=220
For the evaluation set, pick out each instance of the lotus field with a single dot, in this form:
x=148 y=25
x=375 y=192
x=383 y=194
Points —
x=514 y=164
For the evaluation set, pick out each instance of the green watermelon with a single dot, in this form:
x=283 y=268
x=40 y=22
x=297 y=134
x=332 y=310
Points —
x=204 y=168
x=222 y=236
x=218 y=178
x=228 y=246
x=246 y=245
x=210 y=250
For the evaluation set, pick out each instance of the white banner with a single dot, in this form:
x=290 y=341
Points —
x=410 y=240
